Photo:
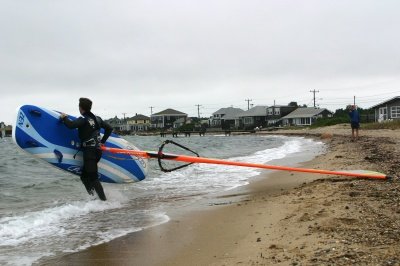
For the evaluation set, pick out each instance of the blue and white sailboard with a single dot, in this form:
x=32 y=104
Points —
x=39 y=132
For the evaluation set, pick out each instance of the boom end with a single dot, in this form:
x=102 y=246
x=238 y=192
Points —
x=390 y=178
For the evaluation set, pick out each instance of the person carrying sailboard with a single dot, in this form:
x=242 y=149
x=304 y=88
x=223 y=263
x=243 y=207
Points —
x=89 y=126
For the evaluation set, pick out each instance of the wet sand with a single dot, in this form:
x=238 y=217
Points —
x=285 y=219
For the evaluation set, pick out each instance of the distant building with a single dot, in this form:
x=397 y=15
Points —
x=225 y=117
x=276 y=112
x=117 y=123
x=165 y=119
x=9 y=130
x=5 y=131
x=182 y=121
x=305 y=116
x=2 y=130
x=252 y=118
x=138 y=123
x=387 y=110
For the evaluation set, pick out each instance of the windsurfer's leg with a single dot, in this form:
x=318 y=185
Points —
x=92 y=157
x=99 y=189
x=96 y=182
x=86 y=182
x=89 y=172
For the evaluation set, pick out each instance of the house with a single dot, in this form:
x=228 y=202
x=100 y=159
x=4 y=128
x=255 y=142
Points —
x=165 y=119
x=138 y=123
x=305 y=116
x=252 y=118
x=182 y=121
x=386 y=110
x=117 y=124
x=276 y=112
x=225 y=117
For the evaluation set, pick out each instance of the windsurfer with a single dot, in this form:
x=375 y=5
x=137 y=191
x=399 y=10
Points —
x=89 y=127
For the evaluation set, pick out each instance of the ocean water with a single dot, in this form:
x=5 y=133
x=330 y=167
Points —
x=45 y=212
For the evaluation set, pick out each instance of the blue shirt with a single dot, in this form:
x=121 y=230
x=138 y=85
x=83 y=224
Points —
x=354 y=116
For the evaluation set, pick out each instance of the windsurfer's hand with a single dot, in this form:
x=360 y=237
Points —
x=62 y=116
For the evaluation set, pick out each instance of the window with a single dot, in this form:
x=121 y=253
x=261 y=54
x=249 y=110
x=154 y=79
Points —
x=395 y=110
x=277 y=111
x=248 y=120
x=305 y=121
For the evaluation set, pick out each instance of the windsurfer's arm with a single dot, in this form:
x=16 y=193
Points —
x=71 y=124
x=107 y=131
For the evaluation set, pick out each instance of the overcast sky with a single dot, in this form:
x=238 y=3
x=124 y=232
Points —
x=130 y=55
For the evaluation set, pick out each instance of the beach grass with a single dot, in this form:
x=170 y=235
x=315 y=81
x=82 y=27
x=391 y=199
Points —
x=394 y=124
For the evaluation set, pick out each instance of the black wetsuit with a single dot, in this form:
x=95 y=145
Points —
x=89 y=133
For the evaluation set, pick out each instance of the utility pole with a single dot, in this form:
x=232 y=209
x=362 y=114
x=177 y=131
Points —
x=151 y=110
x=248 y=103
x=198 y=110
x=125 y=124
x=354 y=100
x=314 y=91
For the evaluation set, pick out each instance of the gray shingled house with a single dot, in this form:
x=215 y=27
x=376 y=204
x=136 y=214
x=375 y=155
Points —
x=305 y=116
x=165 y=119
x=386 y=110
x=276 y=112
x=252 y=118
x=225 y=117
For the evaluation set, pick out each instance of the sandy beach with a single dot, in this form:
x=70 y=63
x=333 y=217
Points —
x=285 y=218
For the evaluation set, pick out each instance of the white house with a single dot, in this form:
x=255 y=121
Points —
x=305 y=116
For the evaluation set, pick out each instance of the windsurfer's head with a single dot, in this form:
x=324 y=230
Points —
x=85 y=105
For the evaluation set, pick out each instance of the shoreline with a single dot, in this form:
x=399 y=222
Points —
x=285 y=219
x=184 y=233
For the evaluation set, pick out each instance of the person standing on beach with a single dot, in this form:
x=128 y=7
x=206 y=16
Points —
x=354 y=121
x=89 y=126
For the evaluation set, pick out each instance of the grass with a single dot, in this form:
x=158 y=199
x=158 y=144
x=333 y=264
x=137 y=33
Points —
x=395 y=124
x=323 y=122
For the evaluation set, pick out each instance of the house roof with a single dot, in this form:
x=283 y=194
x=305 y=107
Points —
x=228 y=113
x=227 y=110
x=112 y=120
x=275 y=106
x=259 y=110
x=139 y=117
x=305 y=112
x=169 y=111
x=387 y=102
